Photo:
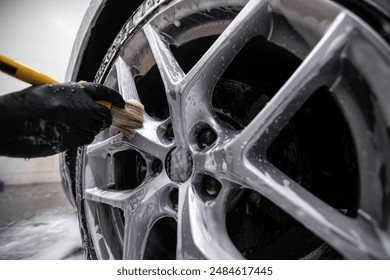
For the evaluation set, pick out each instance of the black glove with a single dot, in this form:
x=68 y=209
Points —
x=44 y=120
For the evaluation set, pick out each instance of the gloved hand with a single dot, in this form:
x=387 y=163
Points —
x=48 y=119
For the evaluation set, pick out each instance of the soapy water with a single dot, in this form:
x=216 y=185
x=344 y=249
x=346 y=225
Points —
x=50 y=235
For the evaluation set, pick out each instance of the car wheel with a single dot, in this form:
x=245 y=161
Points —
x=266 y=136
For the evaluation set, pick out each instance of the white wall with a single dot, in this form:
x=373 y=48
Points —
x=39 y=33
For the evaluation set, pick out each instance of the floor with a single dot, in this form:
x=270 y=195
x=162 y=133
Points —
x=37 y=222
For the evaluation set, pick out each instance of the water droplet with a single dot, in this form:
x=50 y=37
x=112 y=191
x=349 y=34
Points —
x=177 y=23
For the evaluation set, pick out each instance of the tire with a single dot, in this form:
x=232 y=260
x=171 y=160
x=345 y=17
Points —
x=268 y=142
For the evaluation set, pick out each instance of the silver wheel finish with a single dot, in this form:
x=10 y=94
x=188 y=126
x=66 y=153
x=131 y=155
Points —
x=320 y=33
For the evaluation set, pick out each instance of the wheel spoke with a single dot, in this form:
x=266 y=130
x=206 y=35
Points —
x=250 y=22
x=137 y=229
x=144 y=209
x=145 y=140
x=199 y=83
x=325 y=221
x=152 y=188
x=219 y=161
x=201 y=228
x=111 y=145
x=126 y=81
x=116 y=199
x=172 y=75
x=170 y=70
x=320 y=68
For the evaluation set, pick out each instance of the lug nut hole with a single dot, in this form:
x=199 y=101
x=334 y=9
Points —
x=174 y=199
x=211 y=187
x=157 y=166
x=169 y=133
x=205 y=136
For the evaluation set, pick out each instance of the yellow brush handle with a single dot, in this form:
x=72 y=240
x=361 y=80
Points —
x=23 y=72
x=104 y=103
x=31 y=76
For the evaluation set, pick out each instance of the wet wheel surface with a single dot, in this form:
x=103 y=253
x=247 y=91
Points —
x=266 y=136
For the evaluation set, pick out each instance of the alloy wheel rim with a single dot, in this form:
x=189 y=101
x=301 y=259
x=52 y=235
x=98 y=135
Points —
x=225 y=160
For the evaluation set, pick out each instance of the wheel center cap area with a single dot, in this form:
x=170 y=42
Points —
x=179 y=164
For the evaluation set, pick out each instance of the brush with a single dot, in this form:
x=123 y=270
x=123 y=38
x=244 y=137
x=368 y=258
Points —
x=124 y=120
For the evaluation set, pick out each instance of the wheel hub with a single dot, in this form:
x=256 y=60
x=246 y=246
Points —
x=179 y=164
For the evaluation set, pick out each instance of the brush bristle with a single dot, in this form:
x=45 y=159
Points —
x=129 y=118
